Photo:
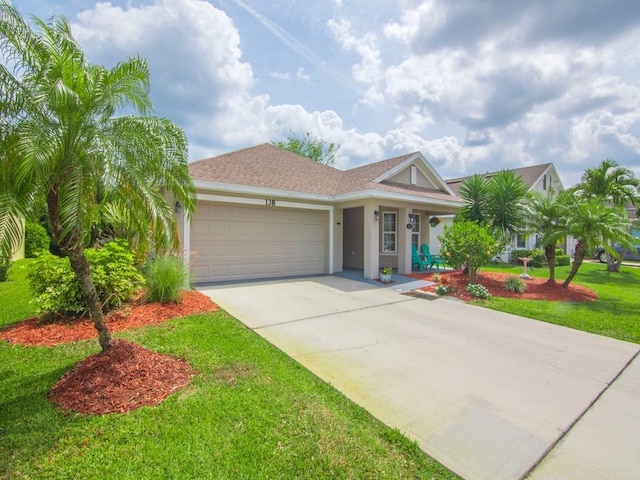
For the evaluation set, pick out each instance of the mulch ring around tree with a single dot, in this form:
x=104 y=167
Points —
x=536 y=288
x=126 y=376
x=134 y=314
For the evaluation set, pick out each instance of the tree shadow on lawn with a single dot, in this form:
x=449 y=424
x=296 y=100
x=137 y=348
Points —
x=602 y=277
x=29 y=421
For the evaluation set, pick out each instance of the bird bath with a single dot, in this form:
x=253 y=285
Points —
x=524 y=261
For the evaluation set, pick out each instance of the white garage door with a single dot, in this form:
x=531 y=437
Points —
x=230 y=242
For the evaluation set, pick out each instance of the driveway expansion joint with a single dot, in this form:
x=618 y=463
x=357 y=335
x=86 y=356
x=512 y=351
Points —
x=331 y=314
x=575 y=421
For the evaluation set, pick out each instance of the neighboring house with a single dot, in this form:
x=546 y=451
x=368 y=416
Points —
x=539 y=178
x=266 y=212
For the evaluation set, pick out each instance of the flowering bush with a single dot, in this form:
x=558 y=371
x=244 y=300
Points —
x=442 y=290
x=470 y=244
x=478 y=291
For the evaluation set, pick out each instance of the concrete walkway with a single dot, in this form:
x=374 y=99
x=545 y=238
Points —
x=489 y=395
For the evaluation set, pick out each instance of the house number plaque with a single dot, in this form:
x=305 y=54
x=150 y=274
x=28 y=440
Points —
x=270 y=202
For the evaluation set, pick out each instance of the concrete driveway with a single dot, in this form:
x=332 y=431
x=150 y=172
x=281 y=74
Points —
x=489 y=395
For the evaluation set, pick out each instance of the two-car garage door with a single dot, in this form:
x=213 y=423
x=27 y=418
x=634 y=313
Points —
x=234 y=242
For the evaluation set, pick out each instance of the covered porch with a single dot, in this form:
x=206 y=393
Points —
x=379 y=234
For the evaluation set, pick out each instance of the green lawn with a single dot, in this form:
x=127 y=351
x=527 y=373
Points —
x=14 y=295
x=251 y=412
x=615 y=314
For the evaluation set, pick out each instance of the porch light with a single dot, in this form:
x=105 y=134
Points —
x=178 y=208
x=376 y=214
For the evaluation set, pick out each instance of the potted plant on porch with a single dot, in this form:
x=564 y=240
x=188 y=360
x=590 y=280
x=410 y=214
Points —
x=385 y=274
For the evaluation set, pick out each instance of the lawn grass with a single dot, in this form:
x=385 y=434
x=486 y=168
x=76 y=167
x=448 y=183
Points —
x=14 y=294
x=615 y=314
x=251 y=412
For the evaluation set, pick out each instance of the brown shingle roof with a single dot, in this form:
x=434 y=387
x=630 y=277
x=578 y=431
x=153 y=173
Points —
x=269 y=166
x=528 y=174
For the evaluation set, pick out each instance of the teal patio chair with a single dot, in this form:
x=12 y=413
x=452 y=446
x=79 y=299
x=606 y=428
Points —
x=432 y=260
x=417 y=260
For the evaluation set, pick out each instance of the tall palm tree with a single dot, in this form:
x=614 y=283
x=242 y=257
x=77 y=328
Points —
x=545 y=218
x=590 y=222
x=64 y=138
x=615 y=185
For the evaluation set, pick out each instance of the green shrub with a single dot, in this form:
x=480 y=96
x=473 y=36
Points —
x=442 y=289
x=57 y=292
x=558 y=252
x=514 y=284
x=478 y=291
x=563 y=260
x=164 y=277
x=4 y=268
x=36 y=240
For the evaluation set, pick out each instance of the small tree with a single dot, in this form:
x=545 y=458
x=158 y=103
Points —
x=617 y=187
x=311 y=147
x=546 y=219
x=468 y=243
x=591 y=222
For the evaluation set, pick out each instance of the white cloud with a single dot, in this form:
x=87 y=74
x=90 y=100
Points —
x=301 y=75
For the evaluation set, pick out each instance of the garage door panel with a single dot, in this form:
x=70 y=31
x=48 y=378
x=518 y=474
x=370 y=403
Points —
x=241 y=242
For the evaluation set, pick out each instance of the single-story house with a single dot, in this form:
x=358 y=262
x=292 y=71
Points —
x=539 y=178
x=266 y=212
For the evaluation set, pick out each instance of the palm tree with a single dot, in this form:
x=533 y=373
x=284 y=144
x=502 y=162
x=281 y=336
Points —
x=63 y=141
x=615 y=185
x=546 y=219
x=496 y=202
x=474 y=191
x=591 y=222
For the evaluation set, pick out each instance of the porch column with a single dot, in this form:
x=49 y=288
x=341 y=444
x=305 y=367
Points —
x=404 y=242
x=371 y=240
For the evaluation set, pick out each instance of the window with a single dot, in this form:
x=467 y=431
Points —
x=415 y=229
x=521 y=241
x=414 y=174
x=389 y=231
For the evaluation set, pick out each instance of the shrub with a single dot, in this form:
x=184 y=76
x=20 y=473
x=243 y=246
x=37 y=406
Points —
x=164 y=277
x=442 y=289
x=436 y=277
x=4 y=269
x=563 y=260
x=514 y=284
x=36 y=240
x=57 y=292
x=470 y=244
x=478 y=291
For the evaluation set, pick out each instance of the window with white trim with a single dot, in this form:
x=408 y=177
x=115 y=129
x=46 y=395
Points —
x=414 y=174
x=389 y=232
x=415 y=229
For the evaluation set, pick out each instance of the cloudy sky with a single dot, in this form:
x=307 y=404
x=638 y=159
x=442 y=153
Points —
x=474 y=85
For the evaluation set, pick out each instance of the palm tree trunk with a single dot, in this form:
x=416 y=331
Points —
x=578 y=257
x=612 y=261
x=550 y=253
x=71 y=246
x=80 y=266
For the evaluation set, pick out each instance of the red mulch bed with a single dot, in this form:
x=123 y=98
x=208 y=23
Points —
x=134 y=314
x=536 y=288
x=126 y=376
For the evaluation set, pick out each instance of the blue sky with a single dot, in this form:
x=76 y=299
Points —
x=475 y=86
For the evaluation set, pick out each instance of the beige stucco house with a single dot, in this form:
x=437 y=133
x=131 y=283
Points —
x=265 y=212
